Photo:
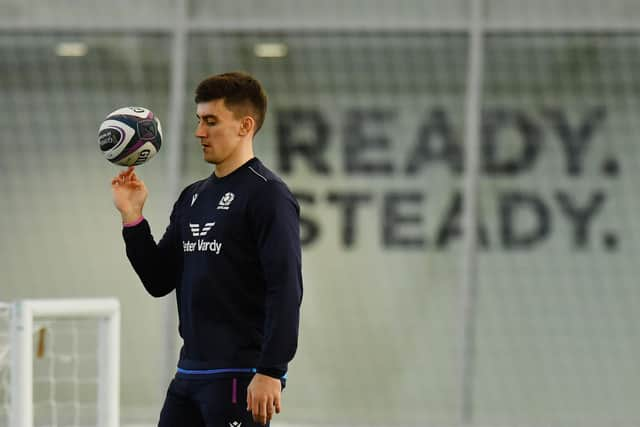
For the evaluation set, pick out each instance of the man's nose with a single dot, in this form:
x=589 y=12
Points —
x=200 y=133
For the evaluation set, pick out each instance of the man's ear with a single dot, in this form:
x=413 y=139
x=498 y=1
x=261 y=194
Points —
x=247 y=125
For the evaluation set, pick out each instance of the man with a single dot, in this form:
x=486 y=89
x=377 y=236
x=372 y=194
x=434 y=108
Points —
x=232 y=253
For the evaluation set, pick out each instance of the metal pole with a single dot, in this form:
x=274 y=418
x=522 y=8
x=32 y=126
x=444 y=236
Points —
x=174 y=166
x=21 y=412
x=473 y=109
x=504 y=26
x=109 y=369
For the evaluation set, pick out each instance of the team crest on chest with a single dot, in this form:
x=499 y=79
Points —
x=226 y=200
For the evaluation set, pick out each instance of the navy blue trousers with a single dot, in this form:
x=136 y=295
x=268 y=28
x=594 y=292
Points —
x=217 y=402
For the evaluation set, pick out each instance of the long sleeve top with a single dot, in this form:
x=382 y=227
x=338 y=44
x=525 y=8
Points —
x=232 y=253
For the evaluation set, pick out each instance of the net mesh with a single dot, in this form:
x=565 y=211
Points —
x=53 y=105
x=557 y=280
x=65 y=371
x=339 y=96
x=365 y=123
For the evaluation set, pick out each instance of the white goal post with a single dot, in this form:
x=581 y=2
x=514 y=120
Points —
x=23 y=313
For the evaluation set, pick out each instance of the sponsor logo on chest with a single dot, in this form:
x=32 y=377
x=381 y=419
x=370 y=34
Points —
x=201 y=245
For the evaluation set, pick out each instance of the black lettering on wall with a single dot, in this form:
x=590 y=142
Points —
x=363 y=137
x=512 y=206
x=399 y=228
x=348 y=204
x=303 y=133
x=309 y=229
x=451 y=225
x=501 y=159
x=436 y=142
x=580 y=217
x=576 y=140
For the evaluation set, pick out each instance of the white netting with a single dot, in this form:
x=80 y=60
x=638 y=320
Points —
x=365 y=123
x=557 y=280
x=65 y=372
x=63 y=99
x=347 y=116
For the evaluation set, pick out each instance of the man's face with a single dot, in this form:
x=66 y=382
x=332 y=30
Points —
x=218 y=130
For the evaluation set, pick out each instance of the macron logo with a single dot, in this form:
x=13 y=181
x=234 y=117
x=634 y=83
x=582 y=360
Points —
x=195 y=229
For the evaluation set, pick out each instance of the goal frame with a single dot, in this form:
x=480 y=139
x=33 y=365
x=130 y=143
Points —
x=23 y=313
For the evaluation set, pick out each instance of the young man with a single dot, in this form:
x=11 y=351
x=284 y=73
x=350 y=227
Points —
x=232 y=253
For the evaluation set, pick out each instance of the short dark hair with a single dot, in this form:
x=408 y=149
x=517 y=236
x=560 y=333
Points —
x=241 y=93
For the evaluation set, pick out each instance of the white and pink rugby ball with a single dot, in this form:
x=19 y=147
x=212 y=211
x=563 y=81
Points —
x=130 y=136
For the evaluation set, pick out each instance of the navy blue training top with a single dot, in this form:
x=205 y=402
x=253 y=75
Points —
x=232 y=253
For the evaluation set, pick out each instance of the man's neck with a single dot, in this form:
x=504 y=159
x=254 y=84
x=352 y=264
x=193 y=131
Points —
x=234 y=162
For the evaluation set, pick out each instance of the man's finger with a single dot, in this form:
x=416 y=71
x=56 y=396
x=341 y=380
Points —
x=255 y=410
x=261 y=414
x=249 y=397
x=277 y=404
x=270 y=410
x=126 y=174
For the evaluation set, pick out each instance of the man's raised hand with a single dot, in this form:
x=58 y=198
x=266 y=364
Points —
x=129 y=194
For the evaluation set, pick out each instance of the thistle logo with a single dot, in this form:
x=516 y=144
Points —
x=195 y=229
x=194 y=198
x=235 y=424
x=226 y=200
